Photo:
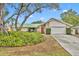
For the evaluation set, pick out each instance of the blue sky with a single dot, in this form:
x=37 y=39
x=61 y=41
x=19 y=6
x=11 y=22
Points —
x=47 y=14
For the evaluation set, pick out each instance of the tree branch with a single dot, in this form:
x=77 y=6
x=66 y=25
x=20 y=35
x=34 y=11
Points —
x=28 y=17
x=18 y=16
x=25 y=6
x=10 y=17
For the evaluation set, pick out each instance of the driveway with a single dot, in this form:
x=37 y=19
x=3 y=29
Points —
x=69 y=43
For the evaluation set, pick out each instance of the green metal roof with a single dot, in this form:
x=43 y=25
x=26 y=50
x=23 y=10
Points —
x=29 y=25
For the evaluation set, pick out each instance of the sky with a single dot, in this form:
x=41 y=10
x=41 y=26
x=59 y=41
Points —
x=47 y=14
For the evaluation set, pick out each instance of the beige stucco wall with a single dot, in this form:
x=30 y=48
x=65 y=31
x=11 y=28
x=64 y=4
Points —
x=78 y=30
x=54 y=23
x=24 y=29
x=72 y=31
x=39 y=29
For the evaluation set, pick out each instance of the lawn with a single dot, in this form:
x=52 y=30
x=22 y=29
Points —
x=49 y=47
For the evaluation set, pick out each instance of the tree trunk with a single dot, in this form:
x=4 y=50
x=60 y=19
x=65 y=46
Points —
x=16 y=21
x=1 y=21
x=2 y=25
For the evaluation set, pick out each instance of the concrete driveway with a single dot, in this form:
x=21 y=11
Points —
x=69 y=43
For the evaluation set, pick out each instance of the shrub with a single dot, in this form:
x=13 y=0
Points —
x=20 y=39
x=68 y=30
x=48 y=31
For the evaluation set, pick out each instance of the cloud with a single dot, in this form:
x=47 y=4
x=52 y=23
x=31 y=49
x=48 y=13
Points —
x=54 y=10
x=42 y=18
x=64 y=10
x=31 y=16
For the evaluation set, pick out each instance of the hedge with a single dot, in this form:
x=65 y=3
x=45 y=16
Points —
x=20 y=39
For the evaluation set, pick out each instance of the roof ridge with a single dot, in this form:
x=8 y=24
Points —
x=58 y=21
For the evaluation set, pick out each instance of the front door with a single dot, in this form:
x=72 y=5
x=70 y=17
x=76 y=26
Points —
x=42 y=29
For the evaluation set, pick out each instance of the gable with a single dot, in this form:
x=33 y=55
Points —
x=54 y=23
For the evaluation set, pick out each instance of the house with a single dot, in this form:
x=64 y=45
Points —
x=55 y=26
x=76 y=29
x=52 y=26
x=28 y=27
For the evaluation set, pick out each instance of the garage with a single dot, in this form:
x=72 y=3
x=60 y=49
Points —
x=54 y=26
x=58 y=30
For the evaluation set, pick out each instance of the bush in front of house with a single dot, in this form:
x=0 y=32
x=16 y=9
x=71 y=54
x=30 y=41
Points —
x=20 y=39
x=48 y=30
x=68 y=31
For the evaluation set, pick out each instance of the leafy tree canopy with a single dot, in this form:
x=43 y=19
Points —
x=26 y=10
x=70 y=17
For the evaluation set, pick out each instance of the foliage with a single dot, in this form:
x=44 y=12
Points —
x=26 y=10
x=49 y=47
x=70 y=17
x=68 y=30
x=37 y=22
x=48 y=30
x=20 y=39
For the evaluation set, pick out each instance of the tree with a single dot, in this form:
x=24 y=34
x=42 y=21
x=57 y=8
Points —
x=12 y=22
x=1 y=21
x=37 y=22
x=70 y=17
x=29 y=9
x=3 y=14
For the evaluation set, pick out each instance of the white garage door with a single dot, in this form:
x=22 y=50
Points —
x=58 y=30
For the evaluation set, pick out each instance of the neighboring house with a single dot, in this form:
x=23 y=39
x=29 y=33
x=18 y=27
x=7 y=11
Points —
x=76 y=29
x=55 y=27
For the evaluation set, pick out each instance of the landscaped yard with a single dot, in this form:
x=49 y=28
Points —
x=18 y=38
x=24 y=32
x=49 y=47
